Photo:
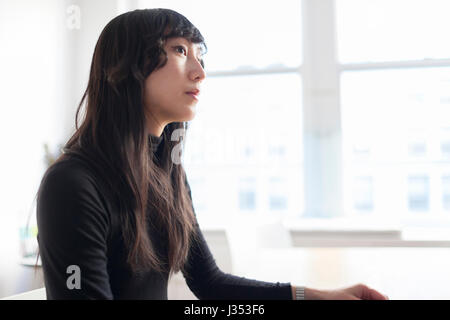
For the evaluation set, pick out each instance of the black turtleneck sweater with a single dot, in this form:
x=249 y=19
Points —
x=78 y=227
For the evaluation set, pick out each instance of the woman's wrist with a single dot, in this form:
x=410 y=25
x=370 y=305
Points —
x=312 y=294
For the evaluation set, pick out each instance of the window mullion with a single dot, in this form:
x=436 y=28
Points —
x=321 y=111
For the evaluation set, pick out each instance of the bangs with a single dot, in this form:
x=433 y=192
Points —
x=179 y=26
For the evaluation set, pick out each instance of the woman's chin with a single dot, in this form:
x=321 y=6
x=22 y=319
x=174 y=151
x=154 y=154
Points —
x=191 y=114
x=186 y=117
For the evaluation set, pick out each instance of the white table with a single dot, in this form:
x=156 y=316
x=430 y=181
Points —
x=401 y=273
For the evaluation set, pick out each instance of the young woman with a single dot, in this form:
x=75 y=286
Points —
x=114 y=212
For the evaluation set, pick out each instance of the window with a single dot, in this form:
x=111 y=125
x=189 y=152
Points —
x=417 y=148
x=394 y=105
x=254 y=130
x=243 y=35
x=363 y=194
x=278 y=195
x=445 y=142
x=384 y=30
x=445 y=149
x=418 y=193
x=197 y=186
x=247 y=194
x=446 y=192
x=247 y=133
x=339 y=109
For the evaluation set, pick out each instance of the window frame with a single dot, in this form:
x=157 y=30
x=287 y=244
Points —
x=322 y=138
x=322 y=32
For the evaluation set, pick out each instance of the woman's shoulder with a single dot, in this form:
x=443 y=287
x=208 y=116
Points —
x=70 y=208
x=69 y=190
x=70 y=174
x=69 y=168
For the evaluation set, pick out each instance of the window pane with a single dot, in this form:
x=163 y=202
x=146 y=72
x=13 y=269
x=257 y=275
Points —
x=245 y=143
x=278 y=199
x=247 y=193
x=363 y=194
x=243 y=33
x=386 y=30
x=446 y=192
x=445 y=149
x=418 y=193
x=396 y=129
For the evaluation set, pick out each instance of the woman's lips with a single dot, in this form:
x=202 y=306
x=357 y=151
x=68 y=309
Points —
x=192 y=95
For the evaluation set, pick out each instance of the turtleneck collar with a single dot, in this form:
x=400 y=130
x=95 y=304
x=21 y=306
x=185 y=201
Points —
x=154 y=142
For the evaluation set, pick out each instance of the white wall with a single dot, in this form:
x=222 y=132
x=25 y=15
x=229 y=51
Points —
x=29 y=94
x=45 y=54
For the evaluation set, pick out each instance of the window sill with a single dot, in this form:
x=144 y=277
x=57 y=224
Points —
x=363 y=233
x=299 y=241
x=353 y=233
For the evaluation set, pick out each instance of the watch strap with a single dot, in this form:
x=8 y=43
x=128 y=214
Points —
x=299 y=293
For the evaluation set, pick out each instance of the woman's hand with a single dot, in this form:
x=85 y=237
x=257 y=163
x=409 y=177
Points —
x=356 y=292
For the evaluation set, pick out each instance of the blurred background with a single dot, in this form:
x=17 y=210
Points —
x=321 y=124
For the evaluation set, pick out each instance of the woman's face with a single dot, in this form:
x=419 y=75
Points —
x=166 y=96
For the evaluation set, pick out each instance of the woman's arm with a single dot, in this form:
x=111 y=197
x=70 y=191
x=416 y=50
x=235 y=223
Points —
x=356 y=292
x=207 y=281
x=72 y=235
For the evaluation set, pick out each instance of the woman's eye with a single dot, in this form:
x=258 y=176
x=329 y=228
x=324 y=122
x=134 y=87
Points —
x=180 y=47
x=177 y=48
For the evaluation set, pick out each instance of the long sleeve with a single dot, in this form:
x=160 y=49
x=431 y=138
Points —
x=207 y=281
x=73 y=228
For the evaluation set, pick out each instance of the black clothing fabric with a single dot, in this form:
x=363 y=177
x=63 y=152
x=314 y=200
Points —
x=78 y=226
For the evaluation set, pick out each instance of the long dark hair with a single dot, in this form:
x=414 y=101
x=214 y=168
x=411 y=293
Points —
x=114 y=138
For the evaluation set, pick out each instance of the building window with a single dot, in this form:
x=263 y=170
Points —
x=247 y=194
x=418 y=193
x=417 y=149
x=446 y=192
x=277 y=194
x=363 y=194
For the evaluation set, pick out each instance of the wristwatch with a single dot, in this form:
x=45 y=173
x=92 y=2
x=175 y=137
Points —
x=299 y=293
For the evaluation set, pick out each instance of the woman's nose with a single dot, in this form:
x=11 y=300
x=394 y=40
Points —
x=198 y=73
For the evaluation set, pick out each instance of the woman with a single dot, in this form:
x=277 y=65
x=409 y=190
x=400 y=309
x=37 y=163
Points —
x=114 y=212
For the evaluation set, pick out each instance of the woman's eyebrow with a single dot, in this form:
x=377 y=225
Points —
x=190 y=44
